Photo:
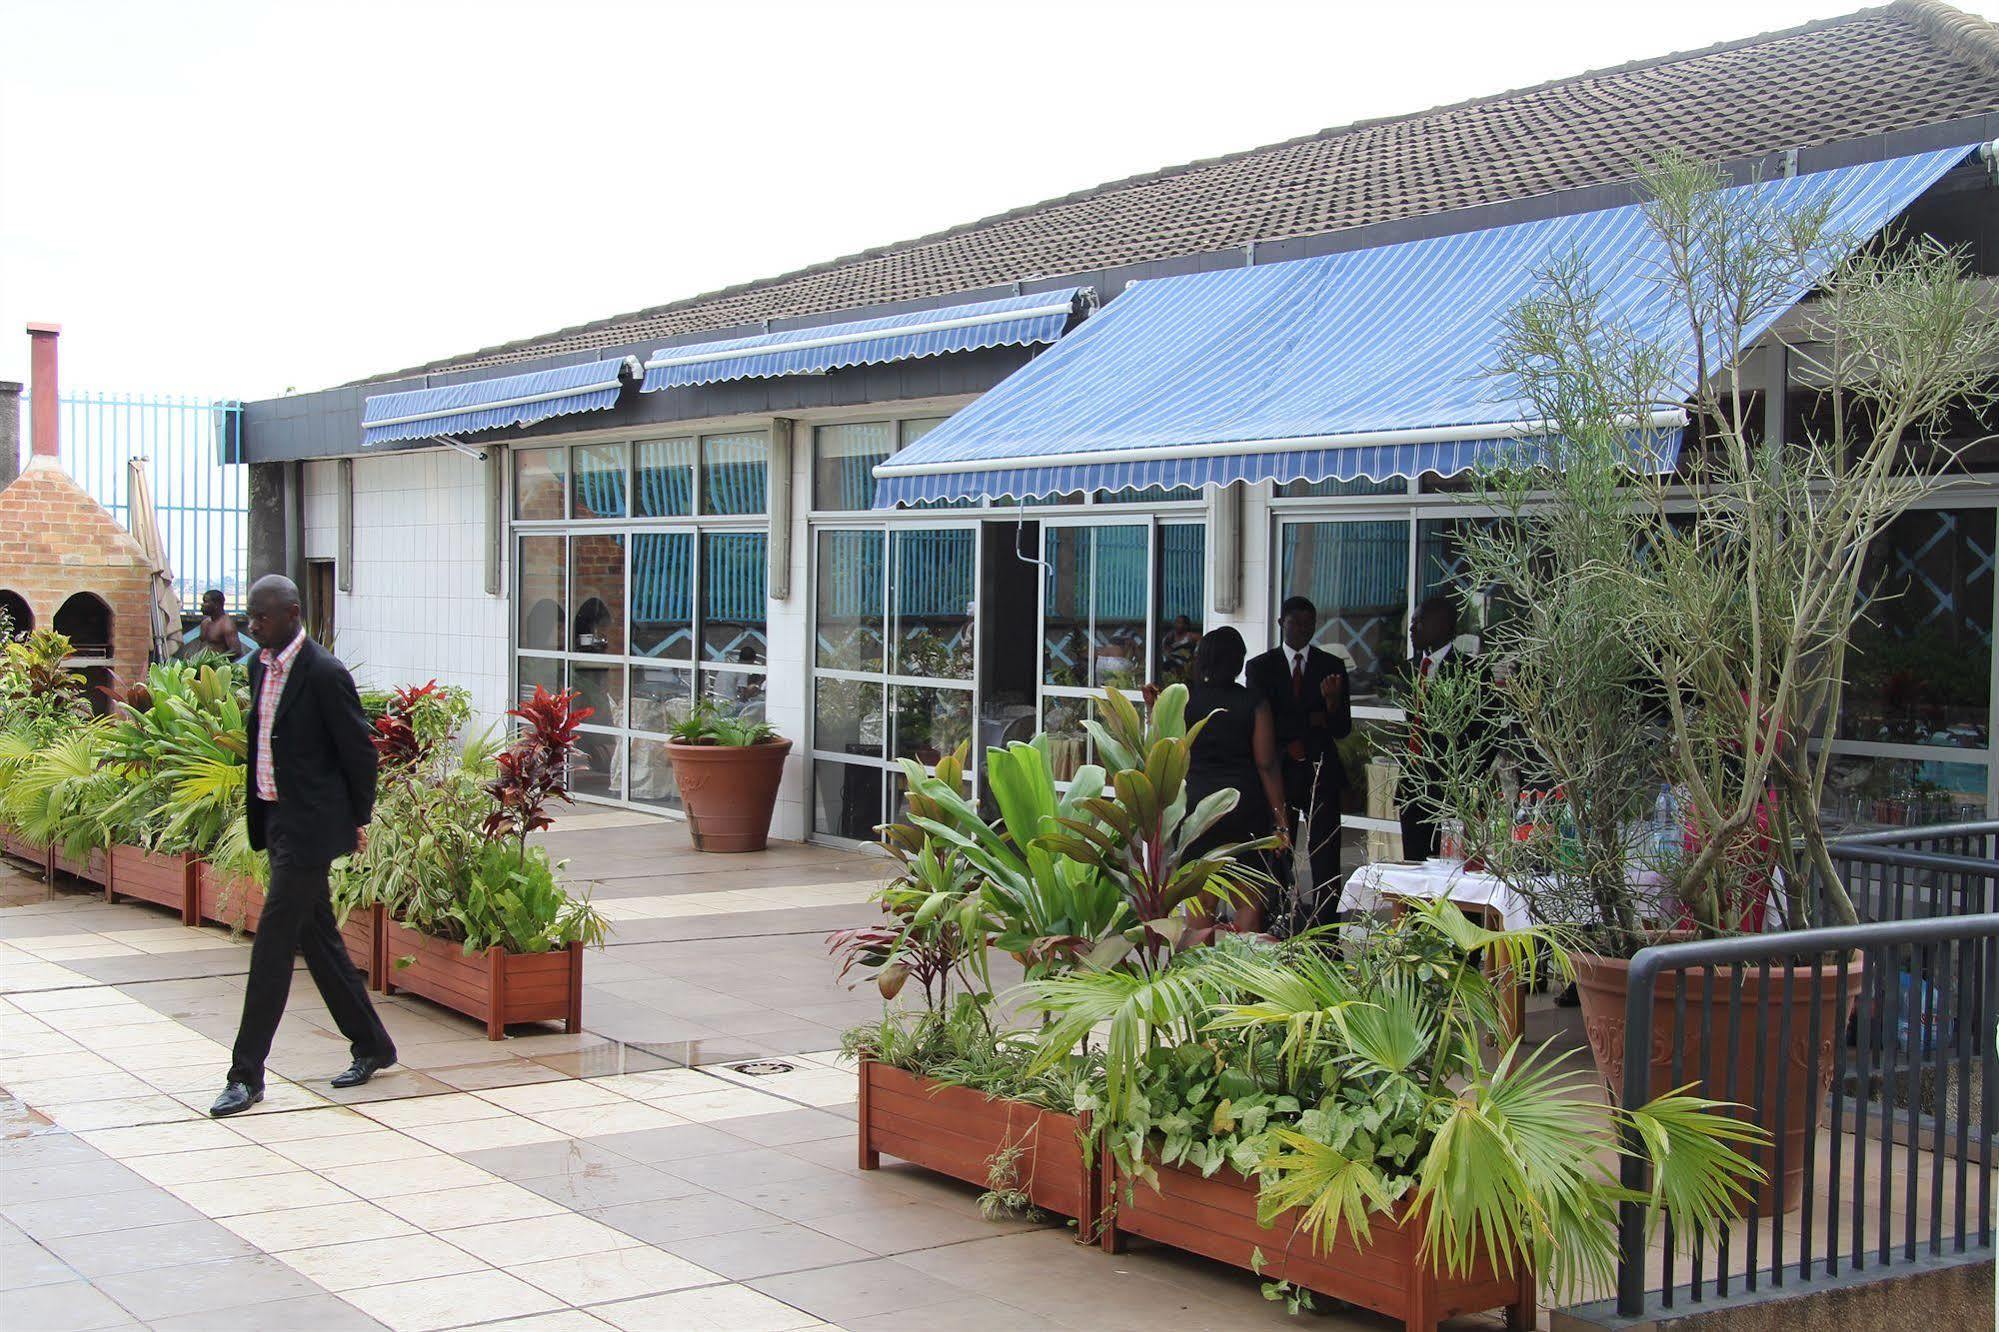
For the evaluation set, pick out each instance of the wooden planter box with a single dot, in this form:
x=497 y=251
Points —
x=956 y=1131
x=236 y=903
x=496 y=987
x=1216 y=1217
x=150 y=877
x=22 y=849
x=93 y=868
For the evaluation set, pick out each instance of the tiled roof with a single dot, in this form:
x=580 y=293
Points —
x=1910 y=64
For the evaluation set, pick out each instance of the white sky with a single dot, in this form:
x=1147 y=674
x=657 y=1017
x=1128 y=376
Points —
x=234 y=199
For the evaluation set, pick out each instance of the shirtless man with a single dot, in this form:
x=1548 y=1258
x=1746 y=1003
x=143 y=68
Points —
x=218 y=627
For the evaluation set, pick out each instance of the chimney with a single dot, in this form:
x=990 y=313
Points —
x=42 y=395
x=10 y=432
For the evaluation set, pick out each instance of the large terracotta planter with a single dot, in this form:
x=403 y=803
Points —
x=1776 y=1049
x=729 y=791
x=1216 y=1217
x=93 y=868
x=496 y=987
x=956 y=1131
x=235 y=902
x=21 y=848
x=152 y=877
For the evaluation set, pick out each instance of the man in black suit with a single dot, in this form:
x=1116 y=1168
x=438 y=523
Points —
x=1433 y=632
x=1306 y=688
x=311 y=794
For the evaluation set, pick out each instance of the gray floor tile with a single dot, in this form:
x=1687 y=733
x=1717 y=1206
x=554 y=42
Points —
x=611 y=1186
x=191 y=1288
x=681 y=1142
x=860 y=1290
x=539 y=1159
x=70 y=1306
x=25 y=1263
x=62 y=1217
x=312 y=1313
x=685 y=1218
x=766 y=1251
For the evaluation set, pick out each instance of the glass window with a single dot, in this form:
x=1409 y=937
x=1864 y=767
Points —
x=532 y=671
x=934 y=590
x=1068 y=742
x=1394 y=485
x=651 y=781
x=844 y=460
x=1903 y=793
x=847 y=717
x=597 y=768
x=539 y=482
x=733 y=569
x=599 y=475
x=849 y=600
x=1183 y=598
x=602 y=690
x=931 y=722
x=1120 y=586
x=1065 y=608
x=597 y=592
x=1920 y=668
x=542 y=583
x=847 y=800
x=663 y=477
x=1357 y=574
x=915 y=430
x=732 y=473
x=663 y=595
x=661 y=696
x=736 y=693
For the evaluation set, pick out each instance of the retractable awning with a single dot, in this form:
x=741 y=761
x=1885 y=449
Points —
x=488 y=404
x=1371 y=363
x=1012 y=321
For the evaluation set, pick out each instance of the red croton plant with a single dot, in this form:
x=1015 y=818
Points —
x=534 y=769
x=397 y=744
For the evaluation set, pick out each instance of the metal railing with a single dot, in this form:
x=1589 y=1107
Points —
x=1908 y=873
x=1877 y=1075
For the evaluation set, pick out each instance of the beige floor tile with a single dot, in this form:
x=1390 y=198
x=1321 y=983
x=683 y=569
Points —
x=37 y=976
x=620 y=1274
x=55 y=1064
x=193 y=1135
x=597 y=1120
x=118 y=1112
x=53 y=1001
x=389 y=1179
x=424 y=1111
x=562 y=1320
x=26 y=1044
x=729 y=1308
x=135 y=1036
x=660 y=1084
x=729 y=1103
x=260 y=1193
x=447 y=1209
x=340 y=1267
x=369 y=1148
x=80 y=1087
x=539 y=1097
x=219 y=1163
x=268 y=1126
x=450 y=1301
x=510 y=1130
x=124 y=1014
x=538 y=1239
x=310 y=1227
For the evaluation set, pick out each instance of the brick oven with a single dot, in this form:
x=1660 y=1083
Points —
x=65 y=563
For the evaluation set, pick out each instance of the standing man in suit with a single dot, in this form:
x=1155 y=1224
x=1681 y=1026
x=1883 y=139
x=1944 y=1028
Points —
x=311 y=794
x=1433 y=632
x=1306 y=688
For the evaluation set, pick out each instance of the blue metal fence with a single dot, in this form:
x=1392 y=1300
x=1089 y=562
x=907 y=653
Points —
x=201 y=483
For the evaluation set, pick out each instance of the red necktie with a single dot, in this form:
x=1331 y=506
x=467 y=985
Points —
x=1426 y=665
x=1298 y=676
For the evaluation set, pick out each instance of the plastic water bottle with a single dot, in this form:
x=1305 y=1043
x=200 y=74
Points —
x=1665 y=822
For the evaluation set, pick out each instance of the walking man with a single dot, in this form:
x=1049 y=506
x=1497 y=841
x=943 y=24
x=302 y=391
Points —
x=312 y=791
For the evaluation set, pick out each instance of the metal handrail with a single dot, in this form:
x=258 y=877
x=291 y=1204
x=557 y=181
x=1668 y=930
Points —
x=1766 y=949
x=1928 y=833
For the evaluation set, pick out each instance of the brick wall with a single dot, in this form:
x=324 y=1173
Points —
x=56 y=542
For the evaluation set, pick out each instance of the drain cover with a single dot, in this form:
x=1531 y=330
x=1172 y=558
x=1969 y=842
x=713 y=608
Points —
x=761 y=1068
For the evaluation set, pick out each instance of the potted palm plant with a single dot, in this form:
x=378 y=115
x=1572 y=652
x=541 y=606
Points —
x=41 y=703
x=728 y=770
x=1695 y=643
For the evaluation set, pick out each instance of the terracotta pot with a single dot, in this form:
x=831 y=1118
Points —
x=1785 y=1066
x=1216 y=1216
x=152 y=877
x=496 y=987
x=729 y=791
x=956 y=1131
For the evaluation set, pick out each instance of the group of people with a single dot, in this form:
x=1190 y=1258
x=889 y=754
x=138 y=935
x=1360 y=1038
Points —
x=1274 y=738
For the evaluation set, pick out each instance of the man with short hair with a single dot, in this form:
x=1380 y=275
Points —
x=218 y=627
x=1307 y=690
x=311 y=794
x=1433 y=632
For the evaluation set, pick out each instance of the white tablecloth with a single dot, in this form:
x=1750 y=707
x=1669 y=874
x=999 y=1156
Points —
x=1369 y=887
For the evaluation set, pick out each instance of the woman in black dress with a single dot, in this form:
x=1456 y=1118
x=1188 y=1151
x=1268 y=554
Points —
x=1235 y=751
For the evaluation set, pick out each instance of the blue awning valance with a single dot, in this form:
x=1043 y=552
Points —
x=1371 y=363
x=1012 y=321
x=488 y=404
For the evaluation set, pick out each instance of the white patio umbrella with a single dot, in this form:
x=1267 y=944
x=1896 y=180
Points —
x=144 y=524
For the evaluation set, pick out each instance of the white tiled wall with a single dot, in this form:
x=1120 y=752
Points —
x=790 y=634
x=417 y=609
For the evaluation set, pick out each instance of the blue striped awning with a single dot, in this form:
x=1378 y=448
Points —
x=1013 y=321
x=488 y=404
x=1373 y=363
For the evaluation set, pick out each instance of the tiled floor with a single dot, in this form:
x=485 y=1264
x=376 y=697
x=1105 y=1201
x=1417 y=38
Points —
x=627 y=1177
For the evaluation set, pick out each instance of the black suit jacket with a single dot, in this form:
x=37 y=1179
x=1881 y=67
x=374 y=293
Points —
x=324 y=760
x=1304 y=715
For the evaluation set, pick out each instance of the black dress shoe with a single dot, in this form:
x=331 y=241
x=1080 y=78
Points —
x=235 y=1099
x=367 y=1066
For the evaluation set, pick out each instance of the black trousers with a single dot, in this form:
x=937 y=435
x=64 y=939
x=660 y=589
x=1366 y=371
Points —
x=298 y=916
x=1419 y=836
x=1315 y=815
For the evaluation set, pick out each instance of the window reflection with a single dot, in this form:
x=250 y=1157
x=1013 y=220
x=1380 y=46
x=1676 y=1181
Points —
x=843 y=463
x=599 y=480
x=1065 y=613
x=663 y=478
x=931 y=722
x=1357 y=574
x=1120 y=584
x=539 y=481
x=1183 y=599
x=734 y=567
x=542 y=592
x=732 y=473
x=651 y=781
x=847 y=800
x=661 y=697
x=934 y=591
x=597 y=592
x=849 y=594
x=530 y=672
x=1920 y=668
x=662 y=595
x=738 y=694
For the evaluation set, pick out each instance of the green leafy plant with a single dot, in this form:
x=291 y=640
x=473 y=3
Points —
x=706 y=723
